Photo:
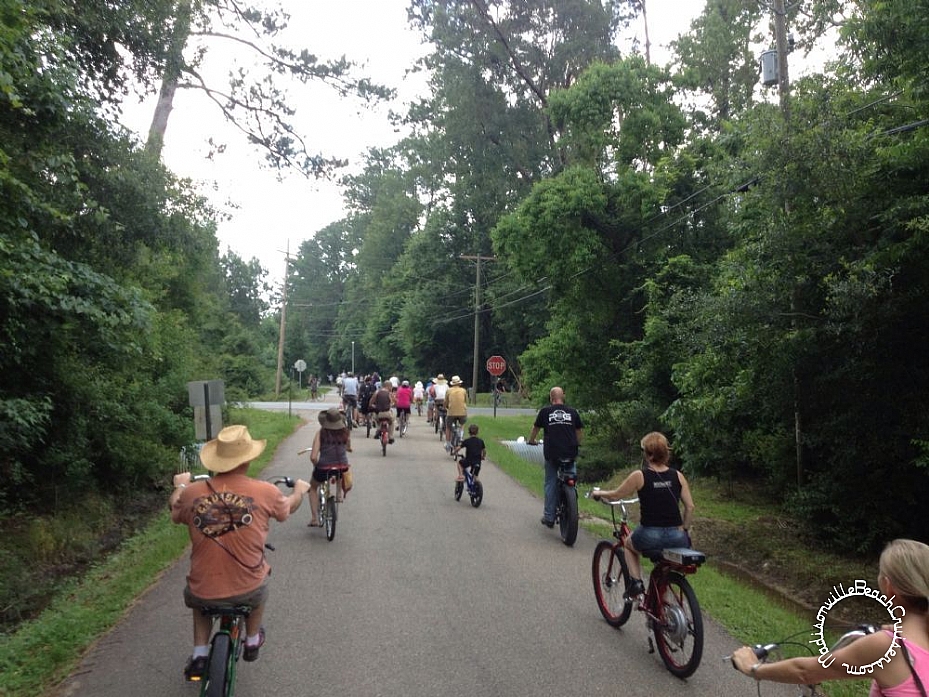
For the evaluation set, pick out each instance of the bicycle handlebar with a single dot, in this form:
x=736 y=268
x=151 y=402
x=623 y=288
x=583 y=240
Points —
x=617 y=502
x=762 y=651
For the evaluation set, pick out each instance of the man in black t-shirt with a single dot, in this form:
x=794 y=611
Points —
x=563 y=434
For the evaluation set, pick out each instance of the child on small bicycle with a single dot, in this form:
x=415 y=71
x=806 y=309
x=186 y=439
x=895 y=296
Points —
x=475 y=451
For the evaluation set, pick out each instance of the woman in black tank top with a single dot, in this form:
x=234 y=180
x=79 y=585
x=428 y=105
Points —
x=661 y=491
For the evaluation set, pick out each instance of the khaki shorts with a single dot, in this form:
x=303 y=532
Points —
x=252 y=598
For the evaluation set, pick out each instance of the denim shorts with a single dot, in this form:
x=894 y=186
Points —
x=652 y=540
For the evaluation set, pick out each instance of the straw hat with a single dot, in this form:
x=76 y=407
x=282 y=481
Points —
x=232 y=447
x=455 y=380
x=332 y=419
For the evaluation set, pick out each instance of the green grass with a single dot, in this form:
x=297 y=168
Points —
x=44 y=651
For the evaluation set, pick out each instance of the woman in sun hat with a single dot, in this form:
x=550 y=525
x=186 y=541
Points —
x=227 y=518
x=331 y=445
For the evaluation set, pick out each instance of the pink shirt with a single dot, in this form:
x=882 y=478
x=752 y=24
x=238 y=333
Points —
x=404 y=396
x=908 y=687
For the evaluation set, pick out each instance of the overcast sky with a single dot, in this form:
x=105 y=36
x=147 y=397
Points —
x=267 y=216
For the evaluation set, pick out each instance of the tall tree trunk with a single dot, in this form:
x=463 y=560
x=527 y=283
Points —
x=169 y=82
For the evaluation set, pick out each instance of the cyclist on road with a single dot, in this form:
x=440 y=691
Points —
x=564 y=432
x=456 y=407
x=365 y=392
x=430 y=400
x=404 y=401
x=350 y=387
x=475 y=452
x=439 y=389
x=381 y=402
x=903 y=576
x=418 y=393
x=661 y=490
x=331 y=445
x=227 y=518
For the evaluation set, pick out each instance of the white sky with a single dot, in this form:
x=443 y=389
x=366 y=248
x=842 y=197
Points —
x=266 y=215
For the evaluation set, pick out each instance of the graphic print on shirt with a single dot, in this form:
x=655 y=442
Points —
x=559 y=417
x=222 y=512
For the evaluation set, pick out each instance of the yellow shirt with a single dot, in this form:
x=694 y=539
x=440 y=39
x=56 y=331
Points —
x=456 y=401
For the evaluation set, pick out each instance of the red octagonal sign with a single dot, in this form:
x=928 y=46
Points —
x=496 y=365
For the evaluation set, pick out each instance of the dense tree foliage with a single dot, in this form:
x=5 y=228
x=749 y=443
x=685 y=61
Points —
x=112 y=292
x=666 y=243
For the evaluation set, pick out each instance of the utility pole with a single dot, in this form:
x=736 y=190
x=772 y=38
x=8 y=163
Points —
x=280 y=341
x=782 y=44
x=477 y=325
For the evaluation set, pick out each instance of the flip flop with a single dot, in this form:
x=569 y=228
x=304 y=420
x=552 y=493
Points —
x=311 y=524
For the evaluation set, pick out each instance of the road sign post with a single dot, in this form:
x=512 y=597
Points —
x=496 y=366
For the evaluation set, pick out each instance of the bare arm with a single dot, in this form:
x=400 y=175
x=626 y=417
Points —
x=301 y=486
x=532 y=434
x=630 y=485
x=314 y=453
x=180 y=483
x=688 y=500
x=809 y=671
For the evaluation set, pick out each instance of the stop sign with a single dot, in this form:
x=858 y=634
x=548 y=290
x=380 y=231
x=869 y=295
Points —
x=496 y=365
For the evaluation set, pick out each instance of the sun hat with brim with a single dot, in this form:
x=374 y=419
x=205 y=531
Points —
x=455 y=380
x=232 y=447
x=332 y=419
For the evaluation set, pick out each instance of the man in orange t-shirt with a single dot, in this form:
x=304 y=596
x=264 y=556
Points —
x=228 y=517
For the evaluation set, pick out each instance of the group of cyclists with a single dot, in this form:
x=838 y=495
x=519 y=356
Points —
x=371 y=396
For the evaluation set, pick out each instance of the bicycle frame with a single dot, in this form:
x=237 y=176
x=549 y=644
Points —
x=226 y=645
x=474 y=487
x=566 y=514
x=383 y=433
x=328 y=496
x=669 y=603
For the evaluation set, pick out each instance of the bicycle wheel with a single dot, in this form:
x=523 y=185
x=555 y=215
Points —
x=679 y=627
x=350 y=416
x=611 y=578
x=385 y=438
x=477 y=494
x=217 y=671
x=459 y=488
x=368 y=425
x=330 y=517
x=567 y=518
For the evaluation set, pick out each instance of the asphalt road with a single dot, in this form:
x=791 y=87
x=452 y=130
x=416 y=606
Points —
x=417 y=595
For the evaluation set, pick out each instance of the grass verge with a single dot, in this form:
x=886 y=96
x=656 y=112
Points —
x=43 y=651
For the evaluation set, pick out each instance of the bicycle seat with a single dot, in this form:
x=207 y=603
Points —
x=223 y=610
x=683 y=556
